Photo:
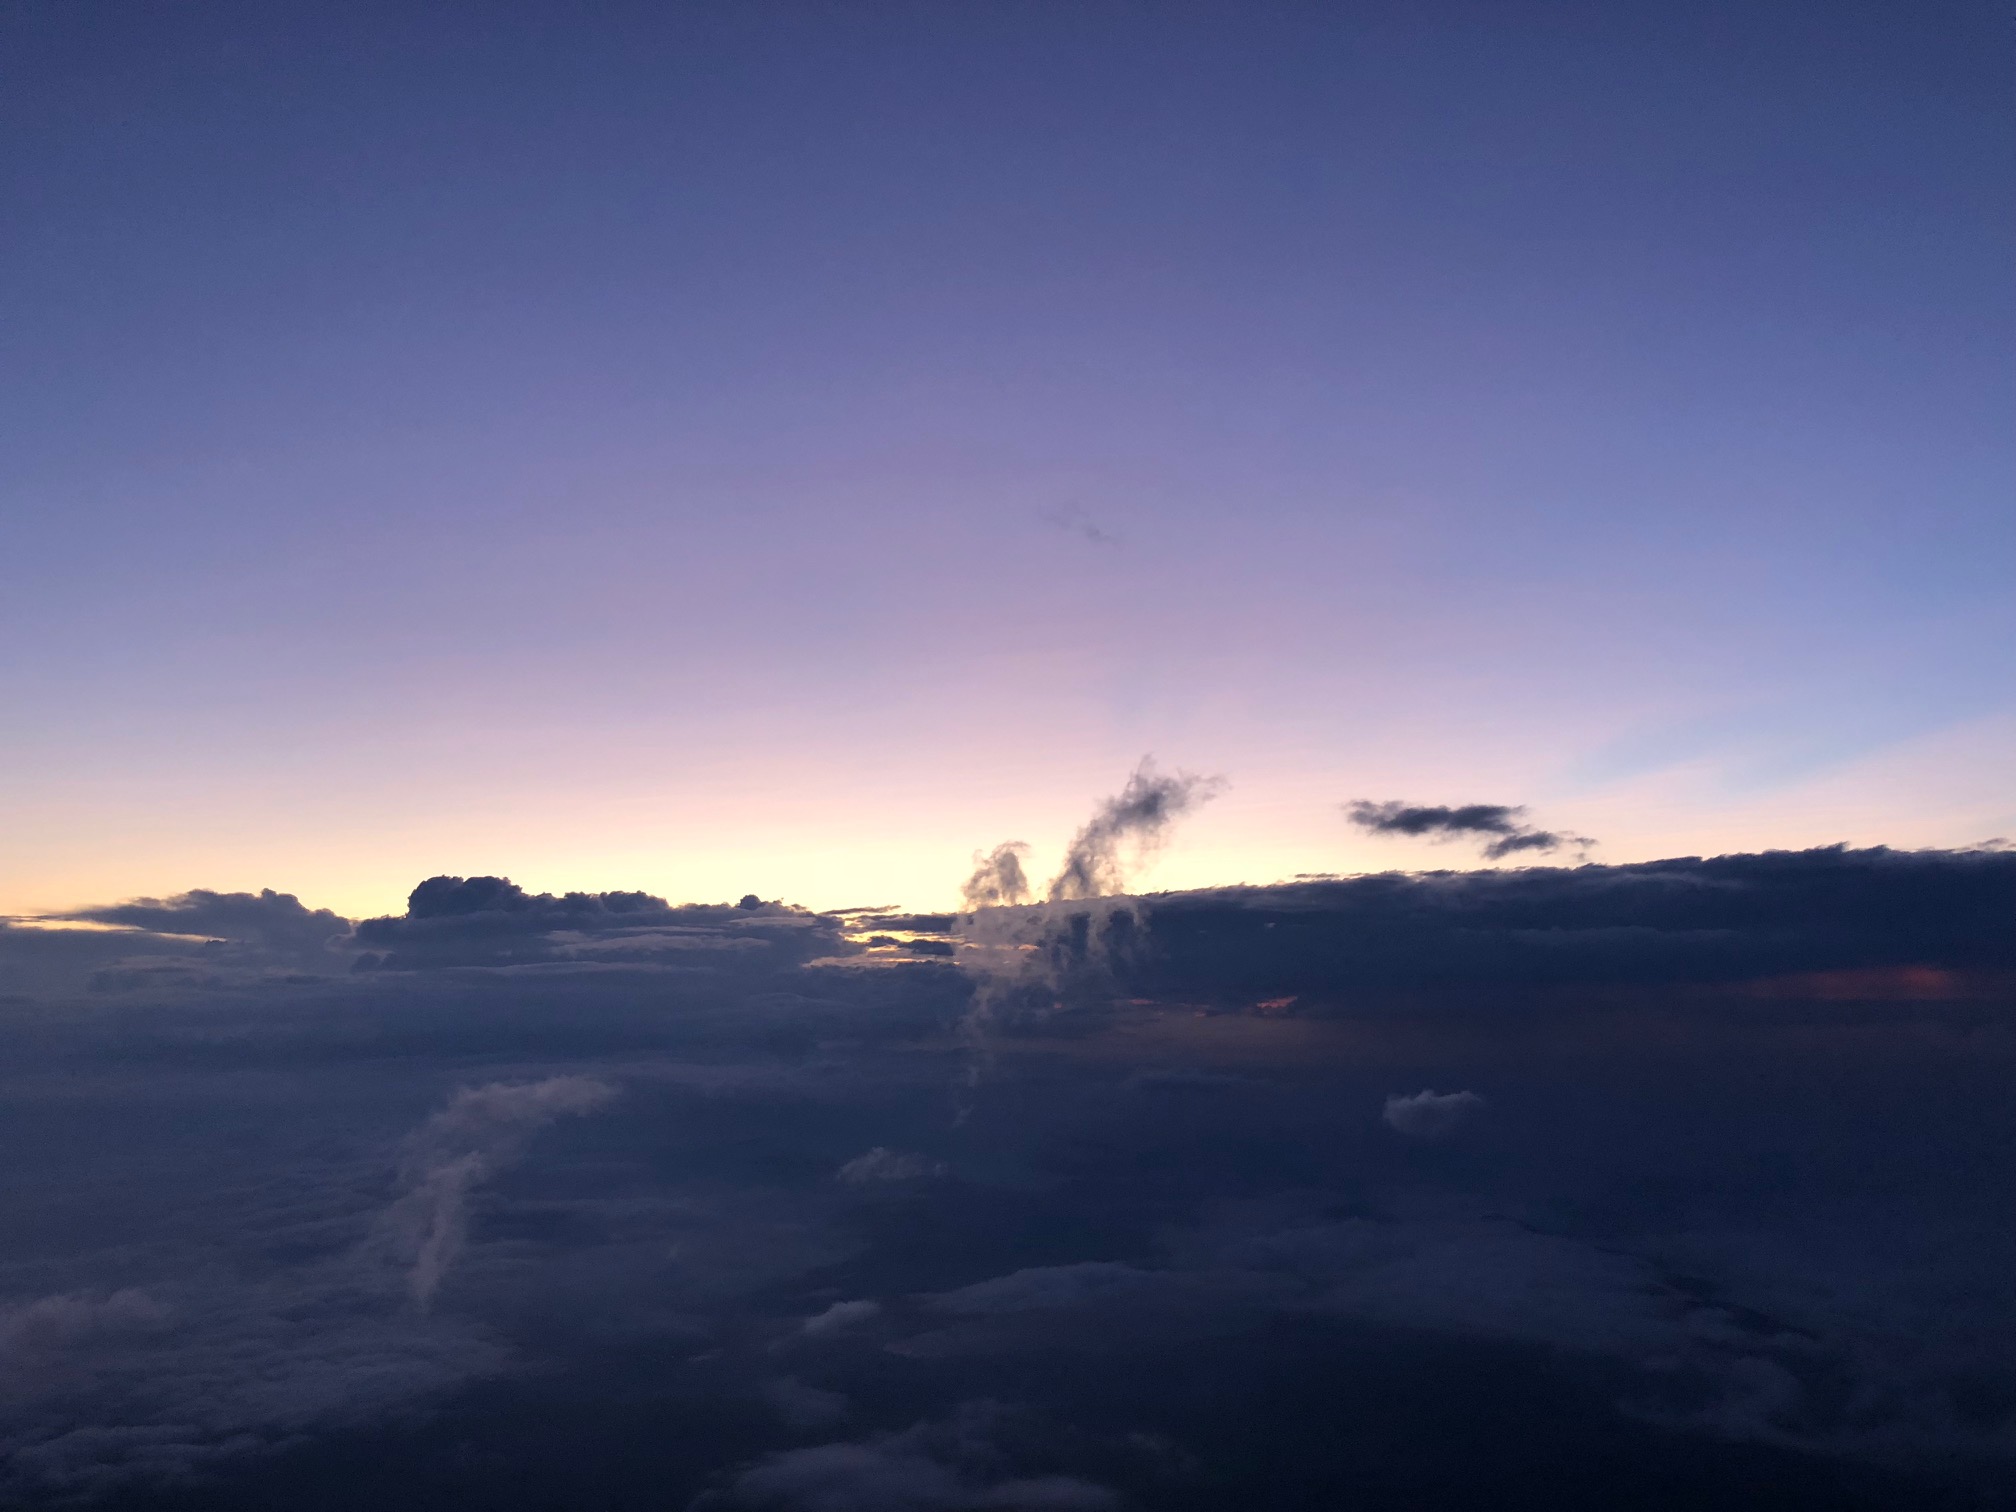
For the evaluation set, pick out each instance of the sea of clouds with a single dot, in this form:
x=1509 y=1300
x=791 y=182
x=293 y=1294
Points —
x=1677 y=1184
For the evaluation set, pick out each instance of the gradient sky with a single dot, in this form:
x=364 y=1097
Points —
x=783 y=447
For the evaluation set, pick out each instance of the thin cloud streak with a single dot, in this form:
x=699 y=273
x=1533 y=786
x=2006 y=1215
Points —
x=1449 y=822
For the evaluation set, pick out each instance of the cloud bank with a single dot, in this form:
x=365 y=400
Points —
x=1595 y=1186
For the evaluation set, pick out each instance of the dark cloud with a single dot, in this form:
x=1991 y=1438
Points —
x=1723 y=918
x=491 y=921
x=931 y=1467
x=1127 y=827
x=1721 y=1220
x=998 y=879
x=275 y=921
x=1443 y=822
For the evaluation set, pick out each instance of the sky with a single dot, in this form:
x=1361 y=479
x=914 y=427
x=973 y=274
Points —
x=786 y=448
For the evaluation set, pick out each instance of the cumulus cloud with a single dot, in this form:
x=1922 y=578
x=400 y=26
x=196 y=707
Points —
x=492 y=922
x=1499 y=821
x=481 y=1130
x=998 y=879
x=1429 y=1114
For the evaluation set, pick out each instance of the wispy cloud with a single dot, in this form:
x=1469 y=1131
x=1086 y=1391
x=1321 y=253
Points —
x=1499 y=823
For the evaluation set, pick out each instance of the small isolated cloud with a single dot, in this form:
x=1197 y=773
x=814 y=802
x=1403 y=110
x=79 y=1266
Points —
x=482 y=1130
x=1431 y=1115
x=881 y=1164
x=841 y=1316
x=1500 y=823
x=998 y=879
x=1075 y=519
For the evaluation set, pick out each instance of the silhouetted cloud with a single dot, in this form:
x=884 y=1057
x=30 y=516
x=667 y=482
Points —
x=491 y=921
x=1126 y=828
x=1683 y=920
x=276 y=921
x=1444 y=822
x=998 y=879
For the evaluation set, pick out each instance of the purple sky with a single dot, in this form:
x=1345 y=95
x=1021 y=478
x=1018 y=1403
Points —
x=727 y=447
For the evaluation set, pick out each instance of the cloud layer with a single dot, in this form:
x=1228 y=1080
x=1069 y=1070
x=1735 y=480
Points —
x=1577 y=1187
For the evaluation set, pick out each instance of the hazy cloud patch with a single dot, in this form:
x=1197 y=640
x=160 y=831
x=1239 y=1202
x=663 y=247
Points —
x=880 y=1165
x=481 y=1130
x=841 y=1316
x=1429 y=1114
x=952 y=1466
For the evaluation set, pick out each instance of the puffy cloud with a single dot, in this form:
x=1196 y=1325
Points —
x=1429 y=1114
x=493 y=922
x=998 y=878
